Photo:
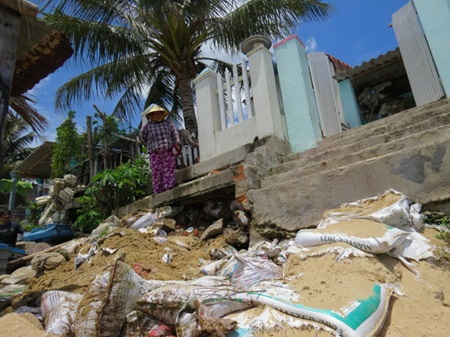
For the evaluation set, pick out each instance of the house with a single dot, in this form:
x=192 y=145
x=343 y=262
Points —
x=291 y=114
x=30 y=50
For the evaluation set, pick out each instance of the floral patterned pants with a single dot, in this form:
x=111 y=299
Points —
x=163 y=171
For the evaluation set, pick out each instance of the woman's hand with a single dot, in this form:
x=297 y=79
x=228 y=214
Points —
x=177 y=147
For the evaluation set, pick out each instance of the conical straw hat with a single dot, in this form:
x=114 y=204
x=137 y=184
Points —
x=153 y=108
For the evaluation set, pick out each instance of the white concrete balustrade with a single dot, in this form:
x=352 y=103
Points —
x=309 y=113
x=231 y=112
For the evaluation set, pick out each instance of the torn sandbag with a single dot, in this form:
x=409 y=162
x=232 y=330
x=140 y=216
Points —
x=361 y=318
x=215 y=293
x=263 y=320
x=103 y=308
x=141 y=324
x=58 y=311
x=244 y=269
x=415 y=247
x=151 y=217
x=391 y=208
x=108 y=225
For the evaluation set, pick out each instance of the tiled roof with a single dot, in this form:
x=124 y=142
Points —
x=40 y=49
x=338 y=64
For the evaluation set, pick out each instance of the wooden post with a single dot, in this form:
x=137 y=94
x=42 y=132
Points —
x=102 y=116
x=9 y=33
x=90 y=147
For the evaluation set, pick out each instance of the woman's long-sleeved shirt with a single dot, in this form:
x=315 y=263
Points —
x=159 y=136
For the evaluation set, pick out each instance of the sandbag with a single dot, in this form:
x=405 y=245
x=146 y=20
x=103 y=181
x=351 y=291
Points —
x=367 y=235
x=362 y=318
x=22 y=275
x=58 y=311
x=104 y=307
x=47 y=261
x=8 y=292
x=244 y=269
x=165 y=301
x=392 y=208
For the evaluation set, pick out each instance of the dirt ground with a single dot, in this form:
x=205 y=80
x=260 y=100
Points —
x=420 y=306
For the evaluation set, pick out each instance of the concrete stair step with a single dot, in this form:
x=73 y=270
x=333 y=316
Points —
x=395 y=122
x=348 y=158
x=420 y=172
x=411 y=120
x=324 y=154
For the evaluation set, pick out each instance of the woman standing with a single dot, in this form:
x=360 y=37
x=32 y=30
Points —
x=163 y=144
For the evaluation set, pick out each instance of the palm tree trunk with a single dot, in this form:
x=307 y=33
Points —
x=187 y=102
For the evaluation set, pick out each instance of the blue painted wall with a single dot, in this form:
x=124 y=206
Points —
x=435 y=18
x=349 y=104
x=302 y=114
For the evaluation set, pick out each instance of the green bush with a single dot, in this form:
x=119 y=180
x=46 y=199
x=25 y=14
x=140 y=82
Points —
x=35 y=213
x=109 y=190
x=440 y=219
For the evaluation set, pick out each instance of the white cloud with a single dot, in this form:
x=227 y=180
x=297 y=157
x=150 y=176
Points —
x=41 y=87
x=218 y=53
x=311 y=44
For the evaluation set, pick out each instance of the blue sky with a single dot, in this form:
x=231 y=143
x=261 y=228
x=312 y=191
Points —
x=356 y=31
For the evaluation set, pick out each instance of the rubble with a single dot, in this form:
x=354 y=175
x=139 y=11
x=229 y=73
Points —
x=161 y=280
x=59 y=200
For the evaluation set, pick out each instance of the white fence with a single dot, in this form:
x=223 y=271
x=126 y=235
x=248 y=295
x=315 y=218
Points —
x=188 y=156
x=235 y=109
x=234 y=93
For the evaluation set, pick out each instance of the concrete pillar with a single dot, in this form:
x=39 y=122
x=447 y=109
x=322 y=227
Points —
x=349 y=104
x=208 y=115
x=435 y=19
x=300 y=107
x=269 y=120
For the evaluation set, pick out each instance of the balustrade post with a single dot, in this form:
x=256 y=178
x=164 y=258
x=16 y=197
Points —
x=269 y=120
x=208 y=116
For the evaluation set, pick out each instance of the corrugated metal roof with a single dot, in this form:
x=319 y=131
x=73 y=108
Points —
x=38 y=164
x=385 y=68
x=392 y=57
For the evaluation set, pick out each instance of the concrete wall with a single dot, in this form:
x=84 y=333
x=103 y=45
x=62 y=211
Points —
x=302 y=114
x=349 y=104
x=435 y=18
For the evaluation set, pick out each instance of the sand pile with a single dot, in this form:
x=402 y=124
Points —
x=142 y=253
x=326 y=277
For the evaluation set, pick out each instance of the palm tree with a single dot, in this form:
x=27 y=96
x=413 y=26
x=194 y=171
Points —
x=21 y=115
x=132 y=45
x=23 y=107
x=17 y=141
